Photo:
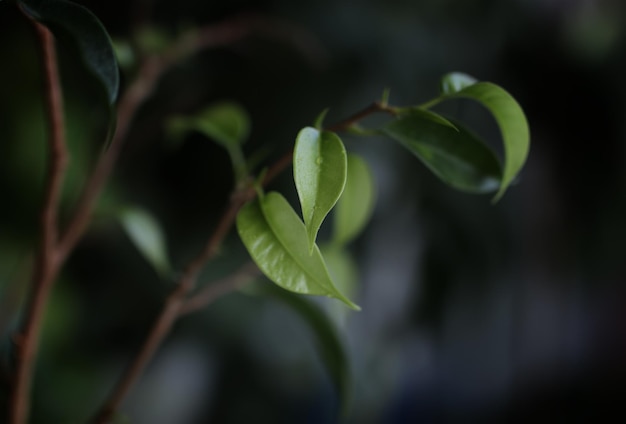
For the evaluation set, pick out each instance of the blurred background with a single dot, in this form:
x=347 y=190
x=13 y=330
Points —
x=472 y=312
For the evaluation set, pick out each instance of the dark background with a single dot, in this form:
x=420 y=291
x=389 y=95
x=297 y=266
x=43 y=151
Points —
x=471 y=312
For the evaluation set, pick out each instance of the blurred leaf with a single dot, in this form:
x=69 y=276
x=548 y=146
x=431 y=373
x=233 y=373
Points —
x=152 y=40
x=226 y=123
x=428 y=114
x=319 y=171
x=356 y=204
x=344 y=272
x=319 y=121
x=330 y=347
x=277 y=242
x=455 y=82
x=146 y=234
x=456 y=156
x=90 y=35
x=510 y=119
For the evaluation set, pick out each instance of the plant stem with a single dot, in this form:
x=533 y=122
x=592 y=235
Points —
x=48 y=261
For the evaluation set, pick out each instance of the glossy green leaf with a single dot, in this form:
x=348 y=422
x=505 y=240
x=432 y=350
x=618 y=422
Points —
x=90 y=35
x=330 y=347
x=456 y=156
x=146 y=234
x=319 y=171
x=277 y=242
x=456 y=81
x=513 y=127
x=356 y=204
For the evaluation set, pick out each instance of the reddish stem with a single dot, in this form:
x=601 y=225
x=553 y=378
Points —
x=48 y=261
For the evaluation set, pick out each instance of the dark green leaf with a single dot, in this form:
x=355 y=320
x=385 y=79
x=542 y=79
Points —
x=356 y=203
x=277 y=242
x=319 y=170
x=84 y=27
x=146 y=234
x=456 y=156
x=513 y=126
x=330 y=347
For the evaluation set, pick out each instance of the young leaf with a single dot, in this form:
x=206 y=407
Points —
x=146 y=234
x=330 y=347
x=319 y=171
x=227 y=123
x=84 y=27
x=356 y=203
x=456 y=81
x=277 y=242
x=513 y=126
x=455 y=155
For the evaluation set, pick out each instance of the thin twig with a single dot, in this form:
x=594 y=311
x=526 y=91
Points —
x=214 y=291
x=47 y=265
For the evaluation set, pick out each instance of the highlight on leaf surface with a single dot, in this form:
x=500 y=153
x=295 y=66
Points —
x=277 y=241
x=147 y=236
x=319 y=171
x=94 y=43
x=456 y=81
x=356 y=204
x=453 y=154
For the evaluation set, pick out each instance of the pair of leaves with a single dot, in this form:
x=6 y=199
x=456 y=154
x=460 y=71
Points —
x=277 y=241
x=453 y=153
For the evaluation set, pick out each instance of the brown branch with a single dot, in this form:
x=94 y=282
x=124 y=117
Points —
x=47 y=266
x=214 y=291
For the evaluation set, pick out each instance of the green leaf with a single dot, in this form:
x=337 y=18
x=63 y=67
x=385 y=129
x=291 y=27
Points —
x=344 y=272
x=356 y=204
x=90 y=35
x=147 y=236
x=319 y=171
x=227 y=123
x=277 y=242
x=456 y=81
x=330 y=347
x=456 y=156
x=513 y=127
